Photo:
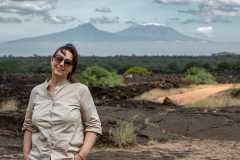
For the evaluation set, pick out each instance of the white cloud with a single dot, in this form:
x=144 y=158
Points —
x=10 y=20
x=104 y=20
x=106 y=10
x=24 y=7
x=58 y=19
x=204 y=31
x=220 y=8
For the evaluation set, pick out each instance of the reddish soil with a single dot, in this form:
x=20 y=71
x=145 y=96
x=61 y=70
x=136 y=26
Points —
x=193 y=96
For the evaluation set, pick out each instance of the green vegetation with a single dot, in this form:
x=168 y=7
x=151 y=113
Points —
x=223 y=66
x=199 y=75
x=10 y=67
x=137 y=70
x=208 y=67
x=121 y=63
x=173 y=66
x=124 y=135
x=99 y=76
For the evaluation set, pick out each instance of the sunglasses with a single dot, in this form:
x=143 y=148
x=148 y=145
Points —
x=59 y=59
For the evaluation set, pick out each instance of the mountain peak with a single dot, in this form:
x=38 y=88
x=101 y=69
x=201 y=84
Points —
x=148 y=24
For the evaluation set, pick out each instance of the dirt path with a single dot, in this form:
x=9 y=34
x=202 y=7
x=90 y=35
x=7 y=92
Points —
x=193 y=96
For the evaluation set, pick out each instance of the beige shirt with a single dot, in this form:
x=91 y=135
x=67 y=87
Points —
x=58 y=123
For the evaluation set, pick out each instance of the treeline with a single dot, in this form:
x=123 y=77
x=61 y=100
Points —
x=13 y=67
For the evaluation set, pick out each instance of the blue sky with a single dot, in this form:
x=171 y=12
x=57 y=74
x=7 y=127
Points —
x=216 y=20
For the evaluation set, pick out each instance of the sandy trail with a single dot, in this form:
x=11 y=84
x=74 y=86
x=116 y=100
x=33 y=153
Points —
x=193 y=96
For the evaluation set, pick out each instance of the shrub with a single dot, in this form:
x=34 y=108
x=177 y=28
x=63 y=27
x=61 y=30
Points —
x=191 y=78
x=137 y=70
x=195 y=71
x=223 y=66
x=98 y=76
x=208 y=67
x=199 y=75
x=124 y=135
x=206 y=77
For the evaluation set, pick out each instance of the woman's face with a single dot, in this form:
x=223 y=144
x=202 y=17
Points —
x=60 y=70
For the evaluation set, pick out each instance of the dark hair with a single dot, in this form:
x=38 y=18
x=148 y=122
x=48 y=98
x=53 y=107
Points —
x=69 y=47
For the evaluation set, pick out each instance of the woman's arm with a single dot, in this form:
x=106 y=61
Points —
x=27 y=143
x=87 y=145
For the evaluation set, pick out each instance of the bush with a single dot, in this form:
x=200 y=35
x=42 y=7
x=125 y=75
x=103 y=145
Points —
x=173 y=66
x=195 y=71
x=208 y=67
x=137 y=70
x=124 y=135
x=98 y=76
x=223 y=66
x=191 y=78
x=199 y=75
x=206 y=77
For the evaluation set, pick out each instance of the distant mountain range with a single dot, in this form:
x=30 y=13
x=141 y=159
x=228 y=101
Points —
x=87 y=33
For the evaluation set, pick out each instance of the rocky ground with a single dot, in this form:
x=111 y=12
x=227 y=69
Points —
x=181 y=133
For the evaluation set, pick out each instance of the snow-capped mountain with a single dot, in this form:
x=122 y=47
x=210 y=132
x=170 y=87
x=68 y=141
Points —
x=87 y=33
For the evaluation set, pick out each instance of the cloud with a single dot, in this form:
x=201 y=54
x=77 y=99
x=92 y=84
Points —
x=106 y=10
x=27 y=20
x=130 y=22
x=24 y=7
x=220 y=8
x=58 y=19
x=173 y=19
x=10 y=20
x=104 y=20
x=204 y=31
x=207 y=21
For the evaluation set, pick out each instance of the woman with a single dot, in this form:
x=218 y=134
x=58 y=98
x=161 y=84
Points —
x=61 y=117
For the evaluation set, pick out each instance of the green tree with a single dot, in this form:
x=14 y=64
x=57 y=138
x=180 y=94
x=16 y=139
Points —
x=173 y=66
x=223 y=66
x=192 y=64
x=208 y=67
x=11 y=67
x=236 y=66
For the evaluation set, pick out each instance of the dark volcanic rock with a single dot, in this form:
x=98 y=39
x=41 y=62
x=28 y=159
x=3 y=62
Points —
x=168 y=102
x=148 y=131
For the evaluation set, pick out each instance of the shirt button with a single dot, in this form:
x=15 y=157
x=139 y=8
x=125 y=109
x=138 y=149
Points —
x=49 y=122
x=50 y=135
x=50 y=111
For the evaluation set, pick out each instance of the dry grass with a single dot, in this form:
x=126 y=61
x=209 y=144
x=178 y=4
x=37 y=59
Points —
x=9 y=105
x=221 y=99
x=124 y=135
x=154 y=94
x=152 y=140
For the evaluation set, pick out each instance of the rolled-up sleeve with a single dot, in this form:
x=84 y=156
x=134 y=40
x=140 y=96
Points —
x=28 y=117
x=89 y=113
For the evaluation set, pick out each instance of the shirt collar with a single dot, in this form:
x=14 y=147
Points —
x=46 y=84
